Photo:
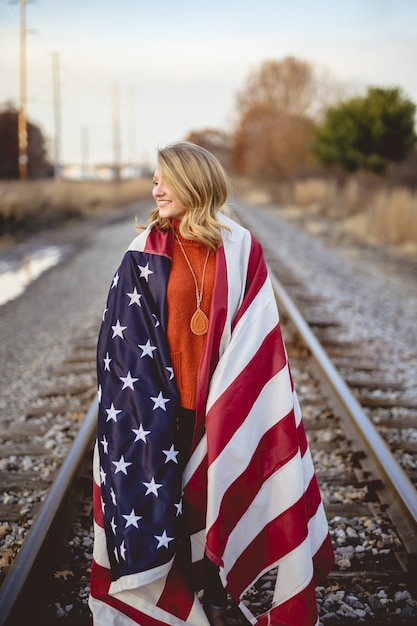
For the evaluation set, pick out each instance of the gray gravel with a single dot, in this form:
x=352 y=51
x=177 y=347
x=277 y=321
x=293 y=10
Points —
x=369 y=292
x=36 y=329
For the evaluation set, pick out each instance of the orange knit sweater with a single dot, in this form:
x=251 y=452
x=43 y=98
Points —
x=185 y=347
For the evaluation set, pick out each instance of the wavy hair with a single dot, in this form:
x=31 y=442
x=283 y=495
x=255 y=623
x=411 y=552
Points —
x=201 y=185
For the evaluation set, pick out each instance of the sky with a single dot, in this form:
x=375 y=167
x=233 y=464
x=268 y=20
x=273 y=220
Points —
x=174 y=66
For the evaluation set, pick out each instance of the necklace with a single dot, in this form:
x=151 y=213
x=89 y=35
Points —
x=199 y=320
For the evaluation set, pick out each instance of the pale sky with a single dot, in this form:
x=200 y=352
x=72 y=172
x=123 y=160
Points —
x=183 y=61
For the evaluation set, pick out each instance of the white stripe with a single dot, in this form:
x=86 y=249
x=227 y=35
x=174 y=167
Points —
x=297 y=410
x=195 y=460
x=273 y=403
x=198 y=545
x=281 y=491
x=141 y=579
x=147 y=604
x=295 y=571
x=244 y=344
x=106 y=615
x=237 y=248
x=100 y=553
x=139 y=242
x=317 y=529
x=96 y=464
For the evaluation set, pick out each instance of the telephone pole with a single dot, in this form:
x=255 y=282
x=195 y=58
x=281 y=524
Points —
x=22 y=123
x=116 y=132
x=132 y=131
x=57 y=113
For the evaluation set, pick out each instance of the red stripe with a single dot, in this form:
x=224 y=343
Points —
x=232 y=408
x=160 y=242
x=256 y=276
x=177 y=597
x=282 y=535
x=301 y=607
x=98 y=511
x=274 y=450
x=210 y=356
x=323 y=561
x=100 y=584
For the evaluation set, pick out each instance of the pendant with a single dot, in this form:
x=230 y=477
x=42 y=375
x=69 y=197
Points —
x=199 y=322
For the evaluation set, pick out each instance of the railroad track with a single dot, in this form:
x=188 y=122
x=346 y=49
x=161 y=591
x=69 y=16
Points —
x=369 y=498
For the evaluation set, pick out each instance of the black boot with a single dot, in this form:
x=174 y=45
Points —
x=215 y=615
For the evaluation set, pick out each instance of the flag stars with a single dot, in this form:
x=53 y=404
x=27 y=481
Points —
x=145 y=272
x=112 y=413
x=152 y=487
x=140 y=434
x=156 y=320
x=105 y=444
x=163 y=540
x=178 y=506
x=134 y=297
x=170 y=371
x=115 y=281
x=121 y=465
x=102 y=476
x=159 y=402
x=99 y=393
x=118 y=330
x=128 y=381
x=113 y=525
x=123 y=551
x=132 y=519
x=147 y=349
x=107 y=361
x=113 y=496
x=171 y=454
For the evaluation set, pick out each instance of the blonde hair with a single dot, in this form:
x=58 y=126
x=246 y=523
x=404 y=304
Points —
x=202 y=187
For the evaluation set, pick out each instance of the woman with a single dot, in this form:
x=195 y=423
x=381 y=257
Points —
x=203 y=476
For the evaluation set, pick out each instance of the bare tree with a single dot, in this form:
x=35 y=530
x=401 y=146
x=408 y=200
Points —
x=276 y=113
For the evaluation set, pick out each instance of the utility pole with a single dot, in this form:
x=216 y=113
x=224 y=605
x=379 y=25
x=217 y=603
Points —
x=116 y=132
x=57 y=113
x=132 y=129
x=22 y=123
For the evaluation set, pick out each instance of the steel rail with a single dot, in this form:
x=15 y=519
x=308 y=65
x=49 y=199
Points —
x=391 y=471
x=21 y=570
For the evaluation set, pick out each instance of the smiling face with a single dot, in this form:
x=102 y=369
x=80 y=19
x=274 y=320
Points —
x=168 y=203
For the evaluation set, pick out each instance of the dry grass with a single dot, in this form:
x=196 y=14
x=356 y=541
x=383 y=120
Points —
x=377 y=214
x=369 y=211
x=392 y=217
x=41 y=202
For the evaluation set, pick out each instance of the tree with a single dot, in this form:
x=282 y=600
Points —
x=215 y=141
x=38 y=164
x=367 y=132
x=276 y=116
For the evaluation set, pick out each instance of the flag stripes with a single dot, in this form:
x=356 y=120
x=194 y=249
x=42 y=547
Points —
x=251 y=497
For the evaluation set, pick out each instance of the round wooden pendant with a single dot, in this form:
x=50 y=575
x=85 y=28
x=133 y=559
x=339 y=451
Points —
x=199 y=322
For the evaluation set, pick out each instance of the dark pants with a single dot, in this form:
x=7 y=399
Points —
x=214 y=592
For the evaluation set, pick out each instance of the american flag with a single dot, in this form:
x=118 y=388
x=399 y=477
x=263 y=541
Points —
x=255 y=505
